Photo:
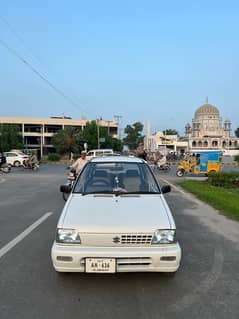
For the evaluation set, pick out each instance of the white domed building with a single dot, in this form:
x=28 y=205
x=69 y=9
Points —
x=207 y=131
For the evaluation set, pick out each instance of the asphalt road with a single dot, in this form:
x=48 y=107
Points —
x=206 y=285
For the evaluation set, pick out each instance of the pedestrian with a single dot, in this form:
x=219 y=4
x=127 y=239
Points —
x=80 y=162
x=143 y=154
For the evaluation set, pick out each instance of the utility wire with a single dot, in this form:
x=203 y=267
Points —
x=28 y=64
x=19 y=37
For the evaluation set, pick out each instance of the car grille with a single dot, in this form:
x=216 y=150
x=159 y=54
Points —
x=116 y=240
x=136 y=239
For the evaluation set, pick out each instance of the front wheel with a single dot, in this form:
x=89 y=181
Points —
x=16 y=164
x=65 y=196
x=35 y=167
x=167 y=167
x=5 y=169
x=212 y=172
x=180 y=172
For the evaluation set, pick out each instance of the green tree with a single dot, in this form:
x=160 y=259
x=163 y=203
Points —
x=170 y=132
x=110 y=142
x=237 y=132
x=72 y=140
x=134 y=135
x=10 y=137
x=90 y=135
x=67 y=140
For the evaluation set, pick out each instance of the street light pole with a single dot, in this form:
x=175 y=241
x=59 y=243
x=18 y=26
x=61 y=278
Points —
x=98 y=134
x=41 y=141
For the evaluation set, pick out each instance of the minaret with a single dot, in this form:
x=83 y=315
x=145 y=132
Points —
x=187 y=129
x=148 y=146
x=148 y=129
x=227 y=128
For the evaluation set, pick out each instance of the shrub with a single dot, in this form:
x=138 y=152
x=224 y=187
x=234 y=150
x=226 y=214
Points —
x=54 y=157
x=236 y=158
x=224 y=179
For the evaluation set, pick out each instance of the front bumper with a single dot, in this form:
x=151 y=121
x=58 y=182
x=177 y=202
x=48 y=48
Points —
x=163 y=258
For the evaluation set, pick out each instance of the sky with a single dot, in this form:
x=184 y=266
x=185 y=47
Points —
x=154 y=60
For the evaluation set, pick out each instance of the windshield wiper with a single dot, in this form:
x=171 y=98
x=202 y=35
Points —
x=119 y=192
x=97 y=192
x=115 y=192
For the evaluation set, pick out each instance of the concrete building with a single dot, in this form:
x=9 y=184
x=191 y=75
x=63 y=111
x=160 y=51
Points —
x=164 y=143
x=37 y=133
x=207 y=132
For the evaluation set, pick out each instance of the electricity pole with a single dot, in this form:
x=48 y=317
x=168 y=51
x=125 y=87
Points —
x=98 y=135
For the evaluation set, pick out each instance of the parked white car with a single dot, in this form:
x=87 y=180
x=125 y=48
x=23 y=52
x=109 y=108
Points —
x=116 y=219
x=15 y=158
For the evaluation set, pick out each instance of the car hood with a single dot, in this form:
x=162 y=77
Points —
x=109 y=213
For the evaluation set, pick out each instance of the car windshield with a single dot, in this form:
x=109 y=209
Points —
x=117 y=178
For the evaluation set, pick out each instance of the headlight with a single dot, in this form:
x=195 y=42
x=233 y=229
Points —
x=67 y=236
x=164 y=236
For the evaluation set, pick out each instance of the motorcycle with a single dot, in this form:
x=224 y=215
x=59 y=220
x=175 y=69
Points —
x=161 y=165
x=164 y=167
x=71 y=178
x=5 y=168
x=28 y=165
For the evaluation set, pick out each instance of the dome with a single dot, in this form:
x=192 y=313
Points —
x=207 y=109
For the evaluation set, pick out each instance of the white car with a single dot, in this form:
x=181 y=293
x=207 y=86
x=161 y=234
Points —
x=99 y=152
x=15 y=158
x=116 y=219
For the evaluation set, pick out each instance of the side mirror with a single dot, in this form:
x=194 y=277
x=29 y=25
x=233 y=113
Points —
x=65 y=189
x=166 y=189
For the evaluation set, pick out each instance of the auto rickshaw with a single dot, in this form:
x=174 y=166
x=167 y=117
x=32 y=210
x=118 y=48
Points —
x=203 y=162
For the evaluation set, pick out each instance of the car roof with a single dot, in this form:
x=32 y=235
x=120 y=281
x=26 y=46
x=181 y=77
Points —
x=118 y=159
x=101 y=150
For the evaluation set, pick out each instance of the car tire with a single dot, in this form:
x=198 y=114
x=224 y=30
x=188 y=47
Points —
x=5 y=169
x=16 y=164
x=212 y=172
x=65 y=196
x=180 y=172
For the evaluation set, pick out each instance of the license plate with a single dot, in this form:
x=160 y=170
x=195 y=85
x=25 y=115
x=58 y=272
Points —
x=100 y=265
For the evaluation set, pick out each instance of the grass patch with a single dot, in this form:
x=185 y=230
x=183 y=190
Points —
x=224 y=200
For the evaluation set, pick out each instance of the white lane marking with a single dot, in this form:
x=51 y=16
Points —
x=25 y=233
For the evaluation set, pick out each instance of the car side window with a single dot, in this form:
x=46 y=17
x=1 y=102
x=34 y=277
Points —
x=99 y=153
x=90 y=154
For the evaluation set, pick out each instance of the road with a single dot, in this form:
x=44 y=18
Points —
x=206 y=285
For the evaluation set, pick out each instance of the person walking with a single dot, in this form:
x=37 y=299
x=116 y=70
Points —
x=80 y=162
